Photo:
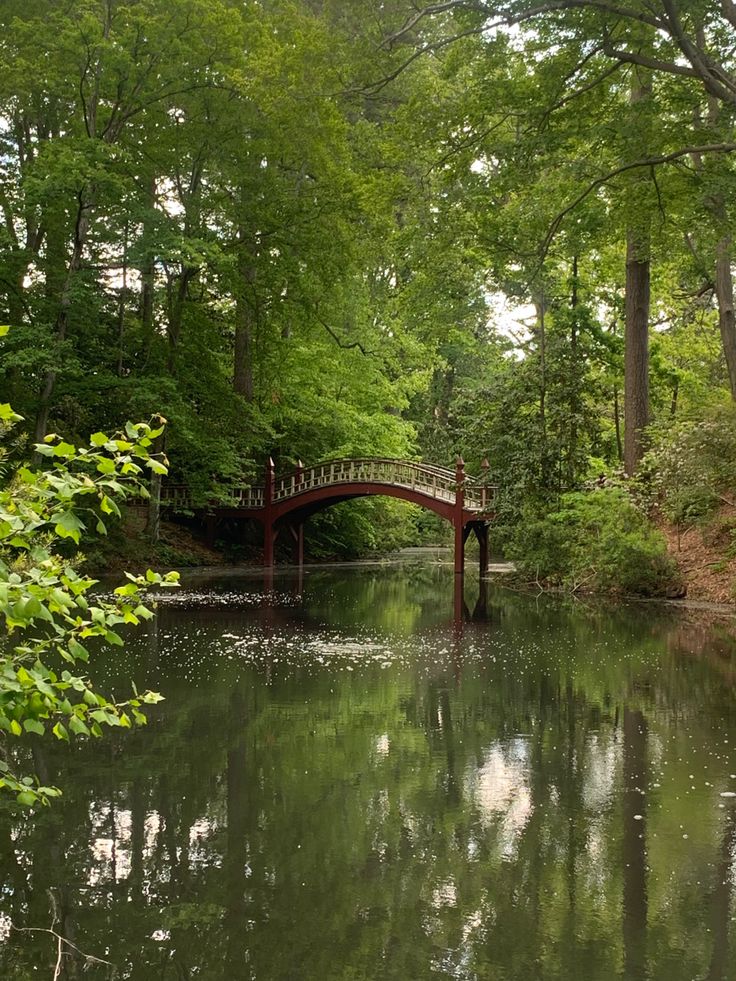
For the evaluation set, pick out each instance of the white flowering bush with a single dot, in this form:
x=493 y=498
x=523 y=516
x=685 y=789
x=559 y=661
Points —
x=691 y=468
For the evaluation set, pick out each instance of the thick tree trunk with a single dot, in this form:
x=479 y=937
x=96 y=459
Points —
x=636 y=358
x=636 y=333
x=726 y=318
x=716 y=204
x=178 y=292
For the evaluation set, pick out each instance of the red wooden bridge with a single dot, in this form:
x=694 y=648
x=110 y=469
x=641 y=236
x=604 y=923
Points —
x=284 y=503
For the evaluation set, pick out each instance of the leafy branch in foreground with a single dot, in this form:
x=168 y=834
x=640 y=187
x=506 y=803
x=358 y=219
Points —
x=45 y=604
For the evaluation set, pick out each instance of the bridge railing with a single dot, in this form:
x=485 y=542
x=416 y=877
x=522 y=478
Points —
x=437 y=482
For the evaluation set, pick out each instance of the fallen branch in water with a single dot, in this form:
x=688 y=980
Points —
x=61 y=941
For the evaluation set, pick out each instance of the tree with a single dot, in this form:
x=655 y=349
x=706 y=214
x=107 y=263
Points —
x=686 y=48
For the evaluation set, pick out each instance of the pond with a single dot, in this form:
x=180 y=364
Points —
x=348 y=782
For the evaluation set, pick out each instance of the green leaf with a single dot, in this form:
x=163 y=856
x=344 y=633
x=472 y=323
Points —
x=77 y=650
x=108 y=506
x=27 y=798
x=78 y=727
x=68 y=525
x=7 y=414
x=32 y=725
x=60 y=732
x=66 y=450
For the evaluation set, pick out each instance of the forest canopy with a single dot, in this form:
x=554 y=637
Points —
x=315 y=229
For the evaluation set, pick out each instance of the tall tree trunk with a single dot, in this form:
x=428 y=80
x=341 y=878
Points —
x=540 y=307
x=716 y=205
x=245 y=319
x=122 y=297
x=147 y=270
x=61 y=326
x=178 y=289
x=85 y=205
x=617 y=424
x=636 y=334
x=636 y=358
x=724 y=296
x=574 y=408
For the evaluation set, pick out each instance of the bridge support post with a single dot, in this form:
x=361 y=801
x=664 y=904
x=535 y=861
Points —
x=481 y=533
x=297 y=533
x=458 y=520
x=268 y=531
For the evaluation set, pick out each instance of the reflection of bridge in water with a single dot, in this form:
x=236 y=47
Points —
x=283 y=504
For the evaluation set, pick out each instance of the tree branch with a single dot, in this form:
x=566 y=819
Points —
x=714 y=77
x=381 y=83
x=728 y=10
x=420 y=15
x=582 y=90
x=649 y=162
x=467 y=144
x=631 y=58
x=340 y=343
x=61 y=942
x=625 y=13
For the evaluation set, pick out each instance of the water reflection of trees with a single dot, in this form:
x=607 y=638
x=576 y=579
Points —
x=406 y=823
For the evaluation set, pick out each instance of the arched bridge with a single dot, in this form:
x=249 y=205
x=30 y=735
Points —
x=285 y=502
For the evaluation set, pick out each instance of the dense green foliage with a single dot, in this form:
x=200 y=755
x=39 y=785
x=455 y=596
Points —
x=596 y=541
x=315 y=229
x=52 y=618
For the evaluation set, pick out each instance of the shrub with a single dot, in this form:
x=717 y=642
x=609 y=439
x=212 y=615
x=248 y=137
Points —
x=597 y=540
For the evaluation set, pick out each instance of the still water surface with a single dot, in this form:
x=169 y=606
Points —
x=345 y=784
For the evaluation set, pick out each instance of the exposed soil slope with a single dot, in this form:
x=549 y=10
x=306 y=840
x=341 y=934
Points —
x=705 y=556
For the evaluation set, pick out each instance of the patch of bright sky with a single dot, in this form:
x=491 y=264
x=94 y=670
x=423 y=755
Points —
x=509 y=318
